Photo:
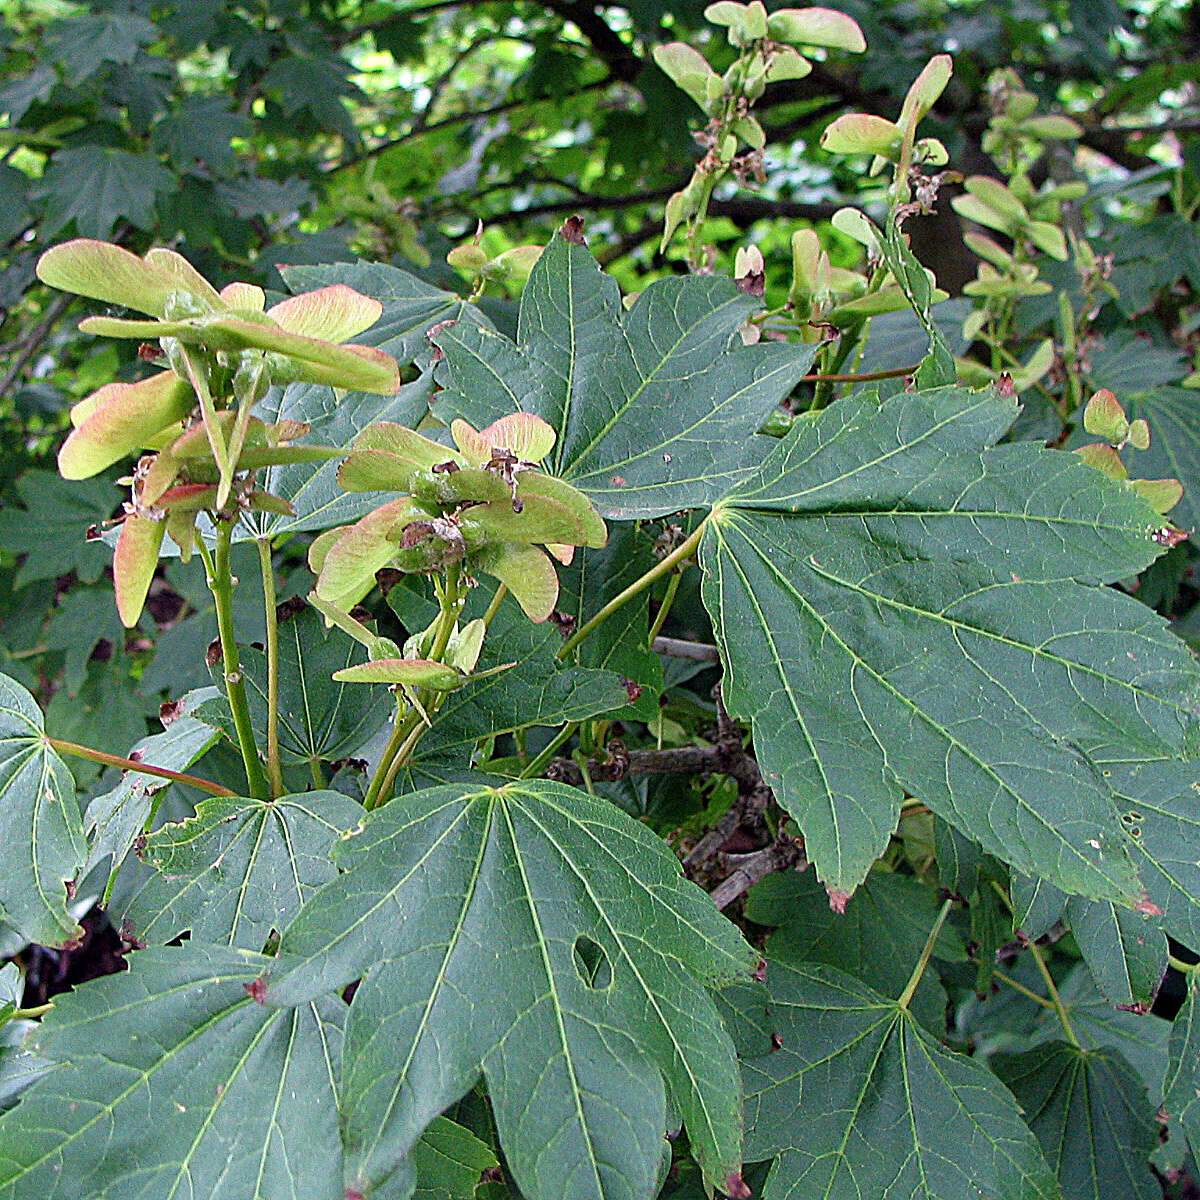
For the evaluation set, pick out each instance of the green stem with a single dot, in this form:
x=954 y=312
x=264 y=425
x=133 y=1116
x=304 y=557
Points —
x=400 y=758
x=220 y=583
x=212 y=431
x=538 y=765
x=274 y=770
x=679 y=555
x=451 y=599
x=1185 y=967
x=130 y=764
x=408 y=729
x=1029 y=993
x=664 y=608
x=30 y=1014
x=695 y=245
x=401 y=730
x=494 y=607
x=915 y=978
x=1055 y=998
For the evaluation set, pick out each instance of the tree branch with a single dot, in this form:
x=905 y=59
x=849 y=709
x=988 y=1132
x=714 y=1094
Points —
x=32 y=341
x=622 y=62
x=457 y=119
x=748 y=869
x=678 y=648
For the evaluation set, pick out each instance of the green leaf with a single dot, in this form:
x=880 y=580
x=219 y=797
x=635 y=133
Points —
x=316 y=83
x=198 y=134
x=597 y=996
x=12 y=987
x=15 y=212
x=656 y=409
x=449 y=1161
x=1182 y=1092
x=1125 y=949
x=174 y=1082
x=84 y=44
x=39 y=824
x=85 y=617
x=96 y=187
x=1159 y=801
x=1140 y=1038
x=620 y=644
x=1090 y=1113
x=238 y=869
x=859 y=1100
x=909 y=272
x=52 y=530
x=878 y=939
x=320 y=719
x=114 y=819
x=871 y=664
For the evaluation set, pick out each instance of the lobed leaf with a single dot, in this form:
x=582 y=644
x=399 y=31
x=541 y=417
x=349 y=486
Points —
x=870 y=664
x=656 y=409
x=1091 y=1114
x=598 y=997
x=172 y=1081
x=858 y=1100
x=237 y=869
x=39 y=824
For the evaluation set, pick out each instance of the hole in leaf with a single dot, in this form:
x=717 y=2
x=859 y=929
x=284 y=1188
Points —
x=591 y=963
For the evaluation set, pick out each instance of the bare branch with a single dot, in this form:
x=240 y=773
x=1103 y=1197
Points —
x=748 y=869
x=32 y=341
x=678 y=648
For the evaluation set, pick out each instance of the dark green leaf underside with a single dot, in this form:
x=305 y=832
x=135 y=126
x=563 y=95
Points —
x=859 y=1101
x=435 y=883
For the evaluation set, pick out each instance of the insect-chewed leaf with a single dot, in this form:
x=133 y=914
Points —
x=1158 y=797
x=858 y=1100
x=598 y=996
x=238 y=869
x=845 y=630
x=174 y=1082
x=39 y=824
x=656 y=409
